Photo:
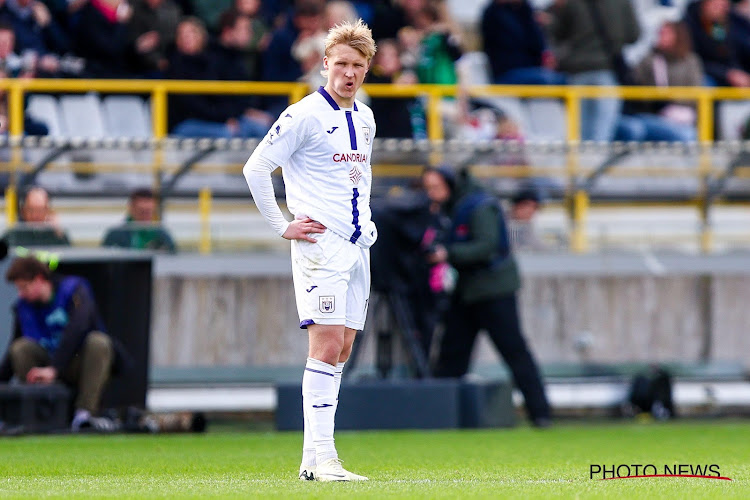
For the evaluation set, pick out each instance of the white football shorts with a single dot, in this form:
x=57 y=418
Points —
x=331 y=281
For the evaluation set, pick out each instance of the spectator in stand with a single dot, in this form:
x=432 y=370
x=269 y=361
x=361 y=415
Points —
x=392 y=114
x=740 y=16
x=515 y=45
x=38 y=36
x=309 y=52
x=11 y=64
x=670 y=63
x=340 y=11
x=153 y=28
x=139 y=230
x=440 y=46
x=307 y=20
x=102 y=37
x=712 y=29
x=40 y=224
x=228 y=58
x=391 y=17
x=278 y=64
x=201 y=115
x=586 y=58
x=36 y=30
x=191 y=60
x=258 y=39
x=14 y=66
x=209 y=11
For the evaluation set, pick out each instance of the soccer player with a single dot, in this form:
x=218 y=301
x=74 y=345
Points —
x=323 y=144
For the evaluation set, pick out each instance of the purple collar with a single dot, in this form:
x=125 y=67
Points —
x=330 y=100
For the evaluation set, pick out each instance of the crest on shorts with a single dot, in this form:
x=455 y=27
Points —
x=366 y=132
x=327 y=303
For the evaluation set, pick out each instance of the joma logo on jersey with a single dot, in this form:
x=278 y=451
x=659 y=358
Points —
x=339 y=157
x=327 y=303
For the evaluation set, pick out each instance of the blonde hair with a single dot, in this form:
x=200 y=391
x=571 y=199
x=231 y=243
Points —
x=357 y=36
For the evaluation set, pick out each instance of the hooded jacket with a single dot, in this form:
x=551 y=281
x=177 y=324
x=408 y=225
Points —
x=475 y=247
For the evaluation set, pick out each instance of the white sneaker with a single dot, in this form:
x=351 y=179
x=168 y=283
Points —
x=331 y=470
x=307 y=473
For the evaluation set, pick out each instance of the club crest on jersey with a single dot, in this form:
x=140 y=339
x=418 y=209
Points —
x=355 y=175
x=327 y=303
x=366 y=132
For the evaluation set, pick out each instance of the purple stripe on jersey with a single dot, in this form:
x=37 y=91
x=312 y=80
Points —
x=355 y=107
x=319 y=371
x=305 y=323
x=352 y=133
x=355 y=217
x=328 y=97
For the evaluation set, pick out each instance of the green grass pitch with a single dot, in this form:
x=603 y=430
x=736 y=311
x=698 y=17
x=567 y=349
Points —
x=505 y=463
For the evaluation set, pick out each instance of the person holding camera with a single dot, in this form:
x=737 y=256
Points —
x=485 y=294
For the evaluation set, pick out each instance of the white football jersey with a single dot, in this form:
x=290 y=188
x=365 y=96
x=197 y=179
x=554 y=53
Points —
x=324 y=152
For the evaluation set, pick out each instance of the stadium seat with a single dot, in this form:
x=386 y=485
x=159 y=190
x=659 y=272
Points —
x=474 y=68
x=125 y=116
x=45 y=109
x=732 y=118
x=82 y=115
x=547 y=120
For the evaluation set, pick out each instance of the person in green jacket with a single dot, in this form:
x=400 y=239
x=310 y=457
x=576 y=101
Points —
x=484 y=297
x=139 y=230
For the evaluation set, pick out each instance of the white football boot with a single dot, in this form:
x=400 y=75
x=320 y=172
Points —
x=331 y=470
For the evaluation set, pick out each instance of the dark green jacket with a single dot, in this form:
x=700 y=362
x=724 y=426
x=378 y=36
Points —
x=139 y=236
x=480 y=277
x=34 y=236
x=578 y=45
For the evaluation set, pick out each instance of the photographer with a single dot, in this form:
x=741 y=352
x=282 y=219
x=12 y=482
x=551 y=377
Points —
x=407 y=232
x=485 y=294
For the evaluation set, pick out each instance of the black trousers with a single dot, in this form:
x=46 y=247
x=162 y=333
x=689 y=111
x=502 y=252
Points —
x=499 y=317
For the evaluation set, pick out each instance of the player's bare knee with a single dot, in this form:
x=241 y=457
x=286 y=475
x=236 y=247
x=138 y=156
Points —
x=345 y=353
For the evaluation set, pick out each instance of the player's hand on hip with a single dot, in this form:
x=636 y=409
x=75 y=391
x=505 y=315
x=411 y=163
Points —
x=300 y=229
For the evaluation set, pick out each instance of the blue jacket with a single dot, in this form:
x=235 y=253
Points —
x=61 y=325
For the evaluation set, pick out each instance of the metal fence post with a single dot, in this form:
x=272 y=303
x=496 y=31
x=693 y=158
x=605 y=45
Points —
x=204 y=206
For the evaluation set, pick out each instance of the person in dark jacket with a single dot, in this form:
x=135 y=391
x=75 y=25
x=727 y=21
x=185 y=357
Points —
x=715 y=32
x=139 y=230
x=152 y=31
x=576 y=28
x=306 y=20
x=102 y=38
x=40 y=225
x=58 y=336
x=485 y=294
x=393 y=114
x=515 y=45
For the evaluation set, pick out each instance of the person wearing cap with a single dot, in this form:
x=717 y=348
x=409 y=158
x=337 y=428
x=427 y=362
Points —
x=524 y=206
x=485 y=294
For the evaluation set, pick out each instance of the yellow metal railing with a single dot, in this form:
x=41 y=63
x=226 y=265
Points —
x=159 y=91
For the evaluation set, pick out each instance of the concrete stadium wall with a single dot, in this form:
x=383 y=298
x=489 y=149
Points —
x=240 y=310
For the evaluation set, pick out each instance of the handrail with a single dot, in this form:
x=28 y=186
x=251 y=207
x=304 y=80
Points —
x=160 y=90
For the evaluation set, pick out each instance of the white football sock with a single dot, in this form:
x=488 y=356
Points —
x=319 y=401
x=308 y=446
x=337 y=379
